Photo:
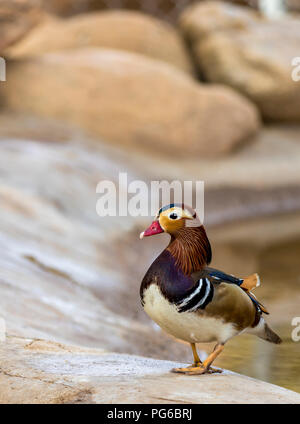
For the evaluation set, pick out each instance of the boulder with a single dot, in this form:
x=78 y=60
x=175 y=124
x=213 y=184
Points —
x=132 y=31
x=240 y=48
x=131 y=100
x=17 y=17
x=169 y=9
x=70 y=7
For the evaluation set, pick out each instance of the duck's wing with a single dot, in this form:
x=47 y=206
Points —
x=247 y=284
x=206 y=281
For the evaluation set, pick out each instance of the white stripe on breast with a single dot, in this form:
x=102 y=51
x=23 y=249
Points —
x=186 y=300
x=207 y=291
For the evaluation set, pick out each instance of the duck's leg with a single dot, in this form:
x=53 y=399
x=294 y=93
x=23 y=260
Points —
x=197 y=361
x=203 y=368
x=206 y=367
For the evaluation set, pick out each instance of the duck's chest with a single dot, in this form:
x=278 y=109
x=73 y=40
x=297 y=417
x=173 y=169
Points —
x=163 y=288
x=191 y=327
x=164 y=273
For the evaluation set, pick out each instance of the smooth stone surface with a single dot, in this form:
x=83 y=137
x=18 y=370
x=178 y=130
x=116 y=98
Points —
x=42 y=371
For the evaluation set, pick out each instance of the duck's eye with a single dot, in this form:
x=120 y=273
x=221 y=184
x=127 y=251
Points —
x=173 y=215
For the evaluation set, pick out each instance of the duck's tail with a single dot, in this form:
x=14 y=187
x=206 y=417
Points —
x=270 y=335
x=263 y=331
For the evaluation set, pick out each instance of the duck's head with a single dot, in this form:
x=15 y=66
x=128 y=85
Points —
x=172 y=218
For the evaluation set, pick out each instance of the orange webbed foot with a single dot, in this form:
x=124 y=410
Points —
x=198 y=370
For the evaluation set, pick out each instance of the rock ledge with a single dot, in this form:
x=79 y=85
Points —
x=40 y=371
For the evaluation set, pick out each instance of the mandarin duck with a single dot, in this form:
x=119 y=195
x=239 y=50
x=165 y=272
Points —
x=193 y=302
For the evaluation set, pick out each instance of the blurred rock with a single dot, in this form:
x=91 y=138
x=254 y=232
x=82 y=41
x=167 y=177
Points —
x=238 y=47
x=167 y=9
x=68 y=7
x=17 y=18
x=131 y=100
x=290 y=5
x=72 y=285
x=293 y=5
x=119 y=30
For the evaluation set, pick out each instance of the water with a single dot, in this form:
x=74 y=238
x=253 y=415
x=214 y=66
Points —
x=271 y=247
x=275 y=364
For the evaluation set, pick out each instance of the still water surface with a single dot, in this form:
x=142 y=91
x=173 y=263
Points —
x=271 y=247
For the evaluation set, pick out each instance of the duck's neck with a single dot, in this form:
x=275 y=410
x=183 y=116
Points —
x=191 y=249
